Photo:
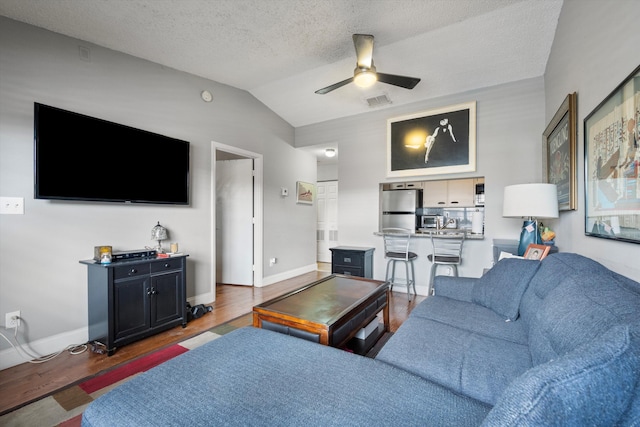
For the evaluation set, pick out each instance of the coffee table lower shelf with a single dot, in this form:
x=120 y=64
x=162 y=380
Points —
x=363 y=347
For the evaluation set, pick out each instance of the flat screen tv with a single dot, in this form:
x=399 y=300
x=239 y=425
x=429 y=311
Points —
x=78 y=157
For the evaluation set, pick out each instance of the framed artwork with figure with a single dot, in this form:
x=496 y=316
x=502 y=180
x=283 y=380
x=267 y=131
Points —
x=612 y=164
x=305 y=192
x=439 y=141
x=559 y=153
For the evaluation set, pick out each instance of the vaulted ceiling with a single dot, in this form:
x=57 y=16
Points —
x=281 y=51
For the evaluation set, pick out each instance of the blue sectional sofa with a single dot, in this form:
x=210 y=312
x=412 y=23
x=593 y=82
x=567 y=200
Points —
x=555 y=342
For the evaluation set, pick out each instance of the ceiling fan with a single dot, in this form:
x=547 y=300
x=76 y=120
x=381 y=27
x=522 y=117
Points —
x=365 y=73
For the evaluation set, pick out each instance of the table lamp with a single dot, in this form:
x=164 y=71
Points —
x=159 y=233
x=531 y=201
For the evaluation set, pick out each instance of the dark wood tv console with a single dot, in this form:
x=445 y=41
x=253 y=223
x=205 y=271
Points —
x=133 y=299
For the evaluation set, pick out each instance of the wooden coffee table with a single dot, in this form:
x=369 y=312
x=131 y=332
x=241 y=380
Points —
x=329 y=311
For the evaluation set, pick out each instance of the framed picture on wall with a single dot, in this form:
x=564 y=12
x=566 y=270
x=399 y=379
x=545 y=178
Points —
x=612 y=162
x=305 y=192
x=559 y=153
x=439 y=141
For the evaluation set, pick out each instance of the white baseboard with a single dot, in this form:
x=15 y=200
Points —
x=206 y=298
x=10 y=357
x=270 y=280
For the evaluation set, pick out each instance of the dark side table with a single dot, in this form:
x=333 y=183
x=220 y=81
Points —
x=352 y=261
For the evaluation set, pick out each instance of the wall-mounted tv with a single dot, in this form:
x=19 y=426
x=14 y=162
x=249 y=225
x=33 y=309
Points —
x=78 y=157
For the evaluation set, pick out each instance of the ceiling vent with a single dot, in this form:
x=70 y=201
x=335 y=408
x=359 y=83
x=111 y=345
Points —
x=378 y=101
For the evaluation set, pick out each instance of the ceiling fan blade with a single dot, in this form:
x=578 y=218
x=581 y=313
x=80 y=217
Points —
x=402 y=81
x=364 y=50
x=334 y=86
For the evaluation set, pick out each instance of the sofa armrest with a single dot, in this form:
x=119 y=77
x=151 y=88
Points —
x=459 y=288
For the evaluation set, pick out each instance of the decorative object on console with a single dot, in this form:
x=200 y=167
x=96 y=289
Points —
x=537 y=252
x=612 y=164
x=159 y=233
x=102 y=254
x=530 y=201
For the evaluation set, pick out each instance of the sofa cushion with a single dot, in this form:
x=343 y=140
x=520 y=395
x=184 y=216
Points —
x=459 y=288
x=579 y=309
x=592 y=385
x=501 y=288
x=253 y=376
x=476 y=318
x=553 y=270
x=466 y=362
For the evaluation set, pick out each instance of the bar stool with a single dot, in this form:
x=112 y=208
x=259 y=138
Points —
x=446 y=251
x=396 y=249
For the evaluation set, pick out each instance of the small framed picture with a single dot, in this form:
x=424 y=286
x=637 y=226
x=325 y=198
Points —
x=536 y=252
x=305 y=193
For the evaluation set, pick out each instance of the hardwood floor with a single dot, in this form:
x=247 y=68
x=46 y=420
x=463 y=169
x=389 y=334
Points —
x=28 y=382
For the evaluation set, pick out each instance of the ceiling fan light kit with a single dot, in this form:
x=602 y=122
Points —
x=365 y=78
x=365 y=74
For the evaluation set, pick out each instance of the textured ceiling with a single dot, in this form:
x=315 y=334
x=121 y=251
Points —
x=281 y=51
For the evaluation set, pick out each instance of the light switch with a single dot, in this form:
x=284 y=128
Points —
x=12 y=205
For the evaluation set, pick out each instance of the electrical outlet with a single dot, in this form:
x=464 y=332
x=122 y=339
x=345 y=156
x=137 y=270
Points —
x=12 y=205
x=12 y=320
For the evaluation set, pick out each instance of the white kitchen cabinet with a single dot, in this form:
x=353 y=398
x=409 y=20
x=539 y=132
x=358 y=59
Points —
x=449 y=193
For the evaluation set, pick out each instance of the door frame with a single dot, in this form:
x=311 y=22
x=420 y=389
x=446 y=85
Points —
x=257 y=209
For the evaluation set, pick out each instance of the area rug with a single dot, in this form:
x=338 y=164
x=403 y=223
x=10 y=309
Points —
x=65 y=407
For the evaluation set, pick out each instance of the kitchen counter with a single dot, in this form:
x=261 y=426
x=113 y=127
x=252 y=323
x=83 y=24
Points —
x=451 y=233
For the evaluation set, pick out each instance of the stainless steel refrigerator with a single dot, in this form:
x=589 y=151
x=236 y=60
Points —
x=399 y=209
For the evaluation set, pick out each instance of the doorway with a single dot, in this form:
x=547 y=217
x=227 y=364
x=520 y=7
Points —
x=236 y=216
x=327 y=228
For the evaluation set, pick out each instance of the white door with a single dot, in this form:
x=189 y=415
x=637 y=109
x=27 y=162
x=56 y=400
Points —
x=234 y=222
x=327 y=233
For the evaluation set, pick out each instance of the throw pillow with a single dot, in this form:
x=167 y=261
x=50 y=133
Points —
x=501 y=288
x=592 y=385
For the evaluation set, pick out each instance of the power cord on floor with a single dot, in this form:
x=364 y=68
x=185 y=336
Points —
x=24 y=354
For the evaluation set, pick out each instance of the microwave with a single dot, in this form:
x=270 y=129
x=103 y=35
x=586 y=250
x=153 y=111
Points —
x=430 y=221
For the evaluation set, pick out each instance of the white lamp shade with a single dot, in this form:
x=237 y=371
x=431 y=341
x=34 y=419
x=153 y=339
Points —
x=530 y=200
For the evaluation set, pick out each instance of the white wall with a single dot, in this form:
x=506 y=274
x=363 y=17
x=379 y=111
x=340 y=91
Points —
x=596 y=47
x=510 y=121
x=39 y=251
x=327 y=172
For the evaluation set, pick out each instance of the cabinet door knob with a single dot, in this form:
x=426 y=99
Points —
x=167 y=265
x=134 y=271
x=149 y=291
